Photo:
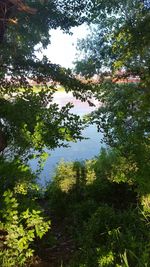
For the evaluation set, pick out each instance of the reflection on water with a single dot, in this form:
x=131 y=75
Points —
x=80 y=150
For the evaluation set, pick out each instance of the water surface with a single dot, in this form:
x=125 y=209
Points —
x=81 y=150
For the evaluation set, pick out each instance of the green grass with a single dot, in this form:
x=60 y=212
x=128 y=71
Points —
x=37 y=89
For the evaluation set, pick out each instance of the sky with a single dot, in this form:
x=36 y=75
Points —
x=62 y=49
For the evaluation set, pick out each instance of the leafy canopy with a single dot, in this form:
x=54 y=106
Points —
x=31 y=121
x=119 y=39
x=118 y=51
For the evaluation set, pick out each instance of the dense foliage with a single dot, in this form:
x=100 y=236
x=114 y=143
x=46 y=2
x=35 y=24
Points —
x=102 y=204
x=117 y=50
x=29 y=120
x=119 y=39
x=104 y=214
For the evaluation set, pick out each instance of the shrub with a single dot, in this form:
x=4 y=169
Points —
x=19 y=232
x=111 y=165
x=13 y=172
x=70 y=174
x=114 y=238
x=57 y=199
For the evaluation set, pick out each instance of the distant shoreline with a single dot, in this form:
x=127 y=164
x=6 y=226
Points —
x=37 y=89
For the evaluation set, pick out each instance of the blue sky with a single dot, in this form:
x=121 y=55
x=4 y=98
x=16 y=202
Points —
x=63 y=46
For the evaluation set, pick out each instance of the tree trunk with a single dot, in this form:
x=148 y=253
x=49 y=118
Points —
x=23 y=7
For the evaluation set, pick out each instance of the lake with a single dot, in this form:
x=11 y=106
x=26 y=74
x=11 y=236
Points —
x=81 y=150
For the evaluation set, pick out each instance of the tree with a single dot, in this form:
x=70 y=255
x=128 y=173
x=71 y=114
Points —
x=118 y=51
x=29 y=121
x=119 y=39
x=48 y=15
x=7 y=8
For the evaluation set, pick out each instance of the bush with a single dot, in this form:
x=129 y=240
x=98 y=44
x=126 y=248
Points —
x=70 y=174
x=19 y=232
x=57 y=200
x=100 y=201
x=111 y=165
x=68 y=187
x=114 y=238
